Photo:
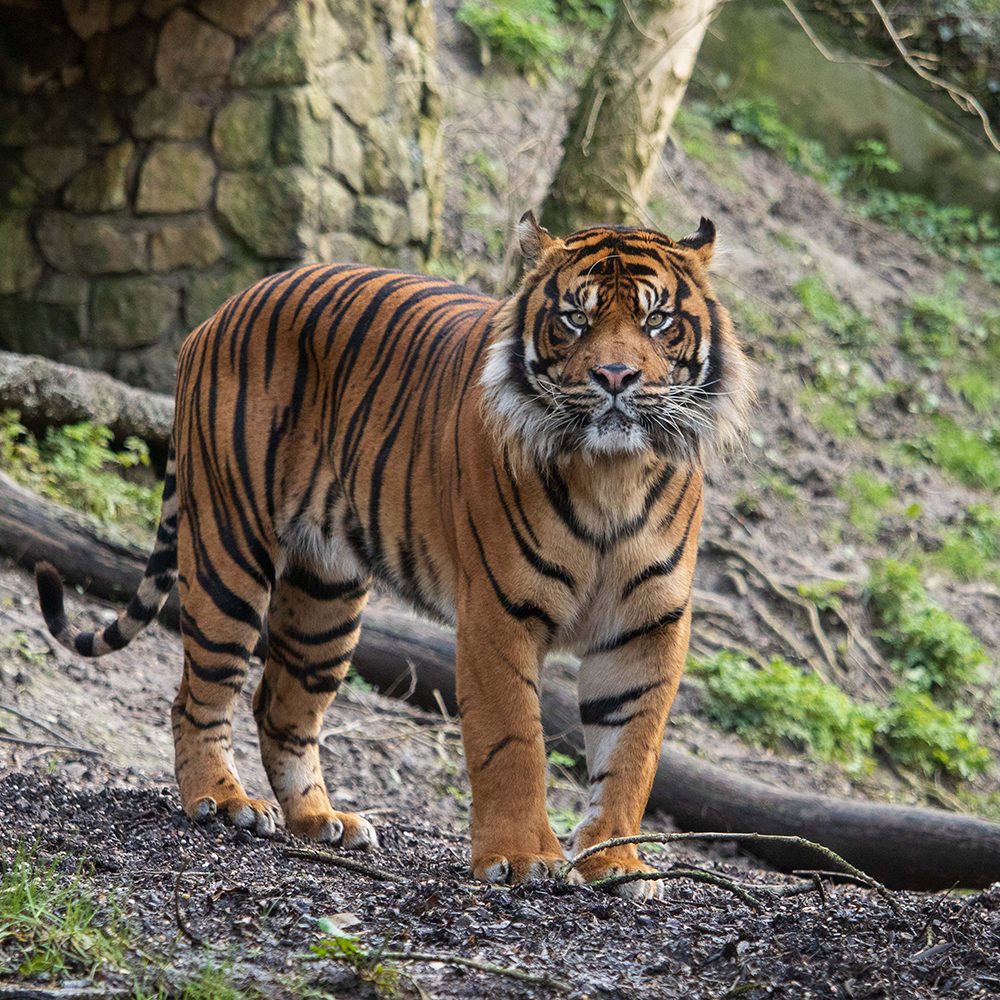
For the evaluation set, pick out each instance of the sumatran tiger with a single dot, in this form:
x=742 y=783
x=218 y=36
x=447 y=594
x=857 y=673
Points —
x=529 y=469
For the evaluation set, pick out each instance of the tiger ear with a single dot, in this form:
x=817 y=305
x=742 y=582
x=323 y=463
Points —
x=534 y=239
x=702 y=242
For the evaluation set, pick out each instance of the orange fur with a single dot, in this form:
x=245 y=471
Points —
x=500 y=466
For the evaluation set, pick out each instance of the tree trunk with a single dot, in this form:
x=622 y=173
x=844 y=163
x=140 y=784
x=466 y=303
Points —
x=47 y=393
x=625 y=109
x=408 y=658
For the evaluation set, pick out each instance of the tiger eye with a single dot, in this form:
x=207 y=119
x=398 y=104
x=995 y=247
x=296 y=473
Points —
x=578 y=318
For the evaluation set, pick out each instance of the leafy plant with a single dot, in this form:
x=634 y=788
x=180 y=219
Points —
x=933 y=652
x=921 y=735
x=76 y=466
x=781 y=705
x=524 y=32
x=344 y=947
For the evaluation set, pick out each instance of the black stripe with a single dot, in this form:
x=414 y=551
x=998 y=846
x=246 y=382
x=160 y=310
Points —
x=666 y=566
x=497 y=747
x=624 y=638
x=597 y=711
x=322 y=590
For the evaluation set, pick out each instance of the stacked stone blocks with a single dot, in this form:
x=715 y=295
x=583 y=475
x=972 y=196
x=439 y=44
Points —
x=156 y=157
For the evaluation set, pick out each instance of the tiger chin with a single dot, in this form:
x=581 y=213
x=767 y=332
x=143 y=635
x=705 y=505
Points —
x=530 y=470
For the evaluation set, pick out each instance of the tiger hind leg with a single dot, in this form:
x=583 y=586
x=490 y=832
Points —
x=313 y=627
x=220 y=630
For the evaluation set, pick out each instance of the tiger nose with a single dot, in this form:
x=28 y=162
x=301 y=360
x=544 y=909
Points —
x=614 y=378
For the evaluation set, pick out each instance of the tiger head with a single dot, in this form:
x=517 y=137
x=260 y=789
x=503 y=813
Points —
x=615 y=344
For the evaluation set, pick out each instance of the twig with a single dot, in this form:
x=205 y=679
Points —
x=473 y=963
x=338 y=862
x=821 y=48
x=31 y=720
x=758 y=838
x=692 y=874
x=839 y=876
x=181 y=922
x=42 y=745
x=958 y=94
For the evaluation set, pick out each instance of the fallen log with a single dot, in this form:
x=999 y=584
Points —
x=47 y=393
x=401 y=655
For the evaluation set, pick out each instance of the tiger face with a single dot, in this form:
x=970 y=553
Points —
x=615 y=344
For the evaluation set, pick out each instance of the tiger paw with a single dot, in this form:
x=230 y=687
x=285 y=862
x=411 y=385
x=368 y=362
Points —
x=257 y=815
x=596 y=869
x=513 y=869
x=347 y=830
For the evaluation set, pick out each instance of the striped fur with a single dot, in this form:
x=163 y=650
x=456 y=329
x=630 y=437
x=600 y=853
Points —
x=527 y=469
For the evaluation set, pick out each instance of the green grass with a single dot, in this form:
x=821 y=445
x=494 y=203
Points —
x=780 y=706
x=846 y=325
x=75 y=465
x=932 y=651
x=979 y=390
x=868 y=498
x=972 y=457
x=971 y=550
x=526 y=33
x=52 y=924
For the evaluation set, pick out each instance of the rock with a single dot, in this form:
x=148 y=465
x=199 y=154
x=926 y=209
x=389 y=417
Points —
x=155 y=9
x=239 y=17
x=186 y=243
x=419 y=213
x=93 y=17
x=37 y=327
x=17 y=189
x=347 y=157
x=329 y=206
x=384 y=221
x=192 y=53
x=20 y=267
x=51 y=166
x=358 y=88
x=208 y=291
x=131 y=312
x=265 y=209
x=175 y=177
x=163 y=115
x=298 y=136
x=92 y=245
x=275 y=57
x=102 y=186
x=242 y=132
x=63 y=290
x=121 y=61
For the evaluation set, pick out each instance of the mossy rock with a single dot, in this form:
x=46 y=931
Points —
x=175 y=177
x=242 y=132
x=131 y=312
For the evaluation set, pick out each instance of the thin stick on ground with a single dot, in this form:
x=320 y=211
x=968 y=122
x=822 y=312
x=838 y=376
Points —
x=179 y=915
x=691 y=874
x=45 y=727
x=349 y=863
x=474 y=963
x=759 y=838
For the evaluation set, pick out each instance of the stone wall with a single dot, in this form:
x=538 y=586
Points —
x=157 y=156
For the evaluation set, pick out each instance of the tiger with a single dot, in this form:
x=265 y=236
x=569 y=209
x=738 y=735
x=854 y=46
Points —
x=528 y=469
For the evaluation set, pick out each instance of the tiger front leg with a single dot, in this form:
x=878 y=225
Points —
x=497 y=680
x=626 y=688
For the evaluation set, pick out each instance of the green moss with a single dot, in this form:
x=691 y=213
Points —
x=847 y=326
x=979 y=389
x=524 y=32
